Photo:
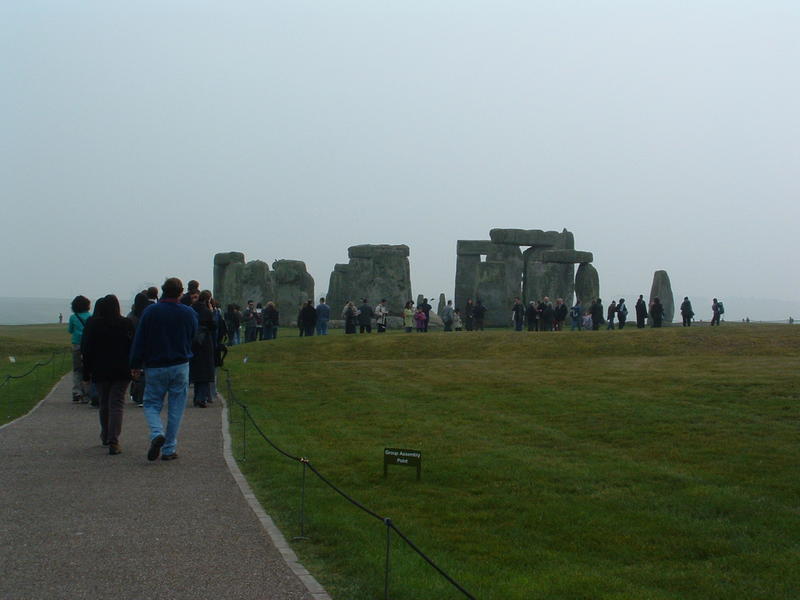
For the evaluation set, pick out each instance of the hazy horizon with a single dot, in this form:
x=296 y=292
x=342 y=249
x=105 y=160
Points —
x=142 y=138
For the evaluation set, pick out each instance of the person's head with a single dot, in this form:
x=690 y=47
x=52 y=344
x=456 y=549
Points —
x=383 y=301
x=152 y=293
x=140 y=302
x=80 y=304
x=409 y=304
x=250 y=304
x=109 y=308
x=686 y=298
x=204 y=297
x=270 y=304
x=516 y=300
x=469 y=300
x=193 y=286
x=621 y=301
x=641 y=296
x=172 y=288
x=656 y=300
x=322 y=300
x=449 y=303
x=258 y=305
x=424 y=300
x=98 y=307
x=559 y=301
x=364 y=300
x=546 y=299
x=713 y=300
x=599 y=301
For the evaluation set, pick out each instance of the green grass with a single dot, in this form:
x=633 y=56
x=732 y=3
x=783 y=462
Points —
x=29 y=345
x=634 y=464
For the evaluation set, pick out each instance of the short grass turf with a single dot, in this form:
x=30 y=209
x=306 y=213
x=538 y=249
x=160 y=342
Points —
x=657 y=464
x=29 y=345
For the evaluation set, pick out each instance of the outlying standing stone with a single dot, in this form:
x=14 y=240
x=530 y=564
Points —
x=587 y=284
x=662 y=289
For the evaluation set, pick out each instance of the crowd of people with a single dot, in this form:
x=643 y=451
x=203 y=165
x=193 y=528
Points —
x=164 y=343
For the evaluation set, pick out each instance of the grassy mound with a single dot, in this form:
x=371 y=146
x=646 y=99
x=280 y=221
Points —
x=635 y=464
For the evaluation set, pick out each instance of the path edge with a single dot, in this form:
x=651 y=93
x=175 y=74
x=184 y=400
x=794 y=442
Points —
x=278 y=539
x=38 y=404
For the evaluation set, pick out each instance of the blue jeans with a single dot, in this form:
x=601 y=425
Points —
x=160 y=381
x=322 y=327
x=233 y=337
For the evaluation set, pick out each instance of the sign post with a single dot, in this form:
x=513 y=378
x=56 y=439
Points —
x=402 y=457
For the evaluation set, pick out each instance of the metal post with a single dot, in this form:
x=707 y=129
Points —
x=244 y=432
x=302 y=536
x=388 y=548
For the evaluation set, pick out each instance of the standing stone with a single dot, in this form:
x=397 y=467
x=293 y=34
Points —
x=237 y=282
x=374 y=272
x=587 y=284
x=662 y=289
x=420 y=298
x=491 y=291
x=442 y=304
x=293 y=286
x=511 y=258
x=555 y=280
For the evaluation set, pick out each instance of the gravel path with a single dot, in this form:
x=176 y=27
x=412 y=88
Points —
x=78 y=523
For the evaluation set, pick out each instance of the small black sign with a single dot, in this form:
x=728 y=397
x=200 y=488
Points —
x=402 y=457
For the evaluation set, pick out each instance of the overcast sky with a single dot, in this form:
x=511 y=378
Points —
x=140 y=138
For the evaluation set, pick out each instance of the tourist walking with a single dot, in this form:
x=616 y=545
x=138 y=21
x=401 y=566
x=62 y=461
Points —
x=420 y=319
x=163 y=347
x=448 y=316
x=469 y=315
x=106 y=348
x=140 y=303
x=350 y=316
x=560 y=314
x=250 y=322
x=686 y=312
x=323 y=316
x=532 y=316
x=656 y=313
x=547 y=316
x=365 y=313
x=192 y=293
x=575 y=315
x=233 y=321
x=716 y=312
x=479 y=314
x=408 y=316
x=610 y=314
x=307 y=320
x=382 y=316
x=77 y=322
x=597 y=314
x=269 y=319
x=622 y=313
x=517 y=314
x=201 y=365
x=641 y=312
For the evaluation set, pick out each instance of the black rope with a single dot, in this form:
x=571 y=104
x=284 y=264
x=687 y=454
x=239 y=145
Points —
x=386 y=521
x=32 y=369
x=429 y=561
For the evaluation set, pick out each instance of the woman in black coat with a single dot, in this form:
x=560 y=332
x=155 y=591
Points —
x=106 y=347
x=656 y=313
x=597 y=314
x=201 y=367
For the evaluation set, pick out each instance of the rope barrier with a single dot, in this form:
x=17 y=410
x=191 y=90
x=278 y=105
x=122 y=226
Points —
x=32 y=369
x=385 y=520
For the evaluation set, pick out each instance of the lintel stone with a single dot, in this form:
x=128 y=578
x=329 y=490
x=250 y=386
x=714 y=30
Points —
x=567 y=256
x=473 y=247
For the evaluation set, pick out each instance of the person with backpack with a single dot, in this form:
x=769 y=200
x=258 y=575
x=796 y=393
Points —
x=77 y=322
x=575 y=315
x=622 y=313
x=716 y=310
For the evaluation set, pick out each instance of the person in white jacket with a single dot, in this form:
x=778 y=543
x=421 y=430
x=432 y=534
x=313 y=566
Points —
x=381 y=316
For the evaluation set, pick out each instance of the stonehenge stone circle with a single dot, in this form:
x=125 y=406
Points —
x=374 y=272
x=288 y=284
x=662 y=289
x=497 y=270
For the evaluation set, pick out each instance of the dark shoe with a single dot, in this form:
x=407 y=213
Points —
x=172 y=456
x=76 y=397
x=155 y=447
x=114 y=449
x=200 y=405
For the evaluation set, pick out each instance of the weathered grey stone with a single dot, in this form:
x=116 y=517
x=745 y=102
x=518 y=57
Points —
x=420 y=299
x=662 y=289
x=442 y=304
x=237 y=282
x=529 y=237
x=293 y=286
x=378 y=250
x=374 y=272
x=566 y=256
x=587 y=284
x=473 y=247
x=491 y=291
x=511 y=257
x=551 y=279
x=466 y=279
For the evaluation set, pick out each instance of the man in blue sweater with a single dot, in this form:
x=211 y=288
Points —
x=163 y=346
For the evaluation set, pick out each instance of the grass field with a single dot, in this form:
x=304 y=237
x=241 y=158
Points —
x=659 y=464
x=30 y=344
